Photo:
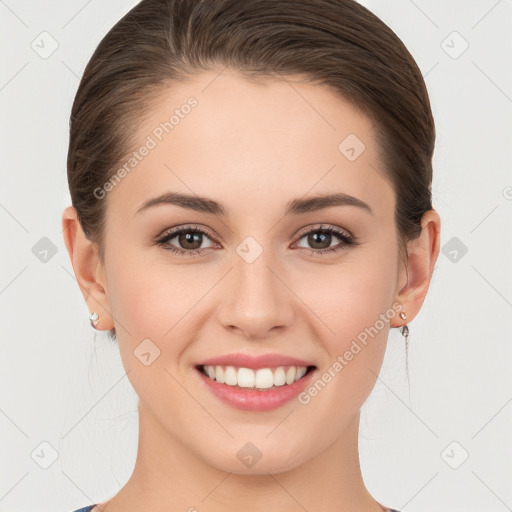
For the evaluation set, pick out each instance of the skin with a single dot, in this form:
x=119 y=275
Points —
x=252 y=147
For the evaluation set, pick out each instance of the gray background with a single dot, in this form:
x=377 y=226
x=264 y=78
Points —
x=68 y=417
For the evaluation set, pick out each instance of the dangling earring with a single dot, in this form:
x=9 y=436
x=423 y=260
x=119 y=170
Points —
x=404 y=330
x=94 y=318
x=405 y=333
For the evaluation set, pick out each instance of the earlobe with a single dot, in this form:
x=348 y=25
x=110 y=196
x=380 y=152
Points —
x=422 y=256
x=87 y=266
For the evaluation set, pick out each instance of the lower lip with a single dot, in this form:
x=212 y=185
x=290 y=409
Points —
x=248 y=399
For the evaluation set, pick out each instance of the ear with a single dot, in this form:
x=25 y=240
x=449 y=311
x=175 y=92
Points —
x=88 y=269
x=415 y=275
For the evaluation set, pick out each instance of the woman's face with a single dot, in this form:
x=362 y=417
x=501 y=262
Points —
x=256 y=282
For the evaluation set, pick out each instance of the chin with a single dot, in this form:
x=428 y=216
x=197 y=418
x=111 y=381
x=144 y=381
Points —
x=248 y=459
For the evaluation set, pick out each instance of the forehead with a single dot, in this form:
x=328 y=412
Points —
x=248 y=143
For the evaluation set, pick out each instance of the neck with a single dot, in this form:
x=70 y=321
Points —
x=169 y=477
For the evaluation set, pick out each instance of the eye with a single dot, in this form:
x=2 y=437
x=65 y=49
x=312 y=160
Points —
x=190 y=238
x=321 y=238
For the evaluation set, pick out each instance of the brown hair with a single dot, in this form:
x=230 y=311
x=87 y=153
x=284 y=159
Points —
x=338 y=43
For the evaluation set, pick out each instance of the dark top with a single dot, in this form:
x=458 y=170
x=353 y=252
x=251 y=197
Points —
x=90 y=507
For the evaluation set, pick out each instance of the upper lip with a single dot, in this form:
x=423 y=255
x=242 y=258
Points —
x=254 y=362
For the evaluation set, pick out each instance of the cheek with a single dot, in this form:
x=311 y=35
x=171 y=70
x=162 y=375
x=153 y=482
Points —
x=153 y=303
x=156 y=299
x=351 y=296
x=355 y=303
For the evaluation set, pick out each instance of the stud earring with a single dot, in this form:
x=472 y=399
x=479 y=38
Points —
x=403 y=316
x=94 y=318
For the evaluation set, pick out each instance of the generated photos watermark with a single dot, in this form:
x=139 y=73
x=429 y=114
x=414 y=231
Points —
x=355 y=348
x=157 y=135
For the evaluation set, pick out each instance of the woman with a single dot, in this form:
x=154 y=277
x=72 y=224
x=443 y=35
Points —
x=251 y=213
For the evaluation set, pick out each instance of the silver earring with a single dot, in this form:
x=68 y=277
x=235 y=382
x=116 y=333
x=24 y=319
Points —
x=94 y=318
x=405 y=333
x=403 y=316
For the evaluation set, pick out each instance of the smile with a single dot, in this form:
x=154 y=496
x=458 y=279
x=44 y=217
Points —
x=262 y=378
x=255 y=389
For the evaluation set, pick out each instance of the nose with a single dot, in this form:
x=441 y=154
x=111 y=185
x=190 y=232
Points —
x=256 y=299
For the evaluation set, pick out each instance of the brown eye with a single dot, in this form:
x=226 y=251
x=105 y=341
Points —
x=188 y=240
x=320 y=240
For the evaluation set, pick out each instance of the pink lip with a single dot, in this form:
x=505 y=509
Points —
x=255 y=362
x=247 y=399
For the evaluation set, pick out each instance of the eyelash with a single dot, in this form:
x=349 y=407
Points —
x=346 y=239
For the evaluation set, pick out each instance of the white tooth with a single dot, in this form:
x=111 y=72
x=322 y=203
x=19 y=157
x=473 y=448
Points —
x=245 y=378
x=279 y=377
x=210 y=370
x=230 y=376
x=290 y=375
x=301 y=370
x=219 y=374
x=264 y=378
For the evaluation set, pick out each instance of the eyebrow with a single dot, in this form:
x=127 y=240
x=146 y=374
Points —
x=295 y=207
